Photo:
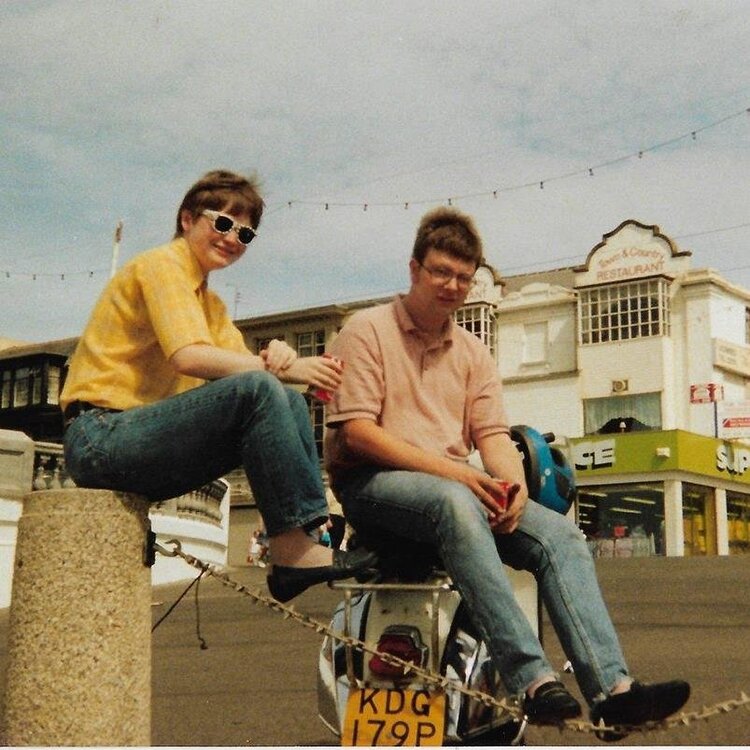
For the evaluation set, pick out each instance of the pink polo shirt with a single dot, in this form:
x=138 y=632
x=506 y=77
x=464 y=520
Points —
x=441 y=396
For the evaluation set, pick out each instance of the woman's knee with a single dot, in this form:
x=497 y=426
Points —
x=259 y=386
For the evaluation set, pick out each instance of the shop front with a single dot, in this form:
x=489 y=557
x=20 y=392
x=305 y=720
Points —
x=670 y=493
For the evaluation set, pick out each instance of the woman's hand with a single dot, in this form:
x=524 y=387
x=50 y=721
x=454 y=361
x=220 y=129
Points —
x=321 y=372
x=278 y=356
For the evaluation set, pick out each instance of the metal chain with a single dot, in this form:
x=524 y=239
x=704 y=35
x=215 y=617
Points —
x=508 y=708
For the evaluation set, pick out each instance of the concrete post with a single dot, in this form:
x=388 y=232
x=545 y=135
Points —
x=16 y=474
x=79 y=641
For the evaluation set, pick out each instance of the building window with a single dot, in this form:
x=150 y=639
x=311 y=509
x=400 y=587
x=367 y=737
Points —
x=317 y=417
x=311 y=343
x=624 y=311
x=21 y=387
x=480 y=320
x=747 y=325
x=35 y=385
x=622 y=520
x=738 y=522
x=698 y=519
x=53 y=384
x=5 y=389
x=641 y=411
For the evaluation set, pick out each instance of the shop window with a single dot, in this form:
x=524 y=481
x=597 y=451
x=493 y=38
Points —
x=311 y=343
x=639 y=412
x=479 y=319
x=623 y=520
x=738 y=522
x=619 y=312
x=698 y=520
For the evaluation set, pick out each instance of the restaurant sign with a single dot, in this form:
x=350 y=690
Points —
x=632 y=251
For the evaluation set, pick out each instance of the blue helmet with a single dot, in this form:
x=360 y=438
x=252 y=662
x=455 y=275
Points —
x=549 y=478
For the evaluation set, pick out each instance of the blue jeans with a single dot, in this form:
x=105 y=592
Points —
x=165 y=449
x=447 y=514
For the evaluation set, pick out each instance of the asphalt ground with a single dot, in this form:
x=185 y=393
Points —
x=254 y=683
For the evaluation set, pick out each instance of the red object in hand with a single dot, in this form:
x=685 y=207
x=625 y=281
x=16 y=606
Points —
x=502 y=493
x=321 y=394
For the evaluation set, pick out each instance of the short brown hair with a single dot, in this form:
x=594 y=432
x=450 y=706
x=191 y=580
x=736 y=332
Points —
x=451 y=231
x=223 y=190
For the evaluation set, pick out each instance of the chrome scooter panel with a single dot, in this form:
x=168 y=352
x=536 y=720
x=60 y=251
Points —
x=455 y=649
x=468 y=662
x=336 y=662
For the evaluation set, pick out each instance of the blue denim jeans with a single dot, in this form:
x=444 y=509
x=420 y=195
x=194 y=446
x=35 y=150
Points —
x=176 y=445
x=447 y=514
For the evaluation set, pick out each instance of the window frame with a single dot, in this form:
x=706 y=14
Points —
x=625 y=311
x=479 y=318
x=312 y=348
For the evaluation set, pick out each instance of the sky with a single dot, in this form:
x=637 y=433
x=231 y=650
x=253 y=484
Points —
x=549 y=122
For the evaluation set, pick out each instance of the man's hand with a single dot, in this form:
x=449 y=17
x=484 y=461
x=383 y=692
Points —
x=508 y=522
x=321 y=372
x=501 y=458
x=503 y=517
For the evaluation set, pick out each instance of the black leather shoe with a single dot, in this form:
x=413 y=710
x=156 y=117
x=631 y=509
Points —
x=285 y=583
x=551 y=704
x=638 y=705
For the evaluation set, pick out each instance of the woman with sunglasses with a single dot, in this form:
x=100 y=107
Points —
x=163 y=396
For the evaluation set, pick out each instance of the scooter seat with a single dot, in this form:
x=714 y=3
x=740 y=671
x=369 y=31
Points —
x=399 y=558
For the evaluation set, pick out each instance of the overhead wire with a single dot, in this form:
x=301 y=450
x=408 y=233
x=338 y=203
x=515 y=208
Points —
x=590 y=171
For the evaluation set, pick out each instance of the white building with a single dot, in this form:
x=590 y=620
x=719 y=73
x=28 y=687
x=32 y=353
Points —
x=625 y=357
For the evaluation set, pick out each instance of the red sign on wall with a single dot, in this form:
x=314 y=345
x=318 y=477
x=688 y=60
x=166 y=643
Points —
x=706 y=393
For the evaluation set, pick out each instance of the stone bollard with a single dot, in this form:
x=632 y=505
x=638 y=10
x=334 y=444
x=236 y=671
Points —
x=79 y=640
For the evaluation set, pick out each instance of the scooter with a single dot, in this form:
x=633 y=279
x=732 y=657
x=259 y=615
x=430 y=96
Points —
x=414 y=612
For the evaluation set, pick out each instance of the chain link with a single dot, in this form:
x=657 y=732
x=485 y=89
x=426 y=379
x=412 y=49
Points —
x=509 y=708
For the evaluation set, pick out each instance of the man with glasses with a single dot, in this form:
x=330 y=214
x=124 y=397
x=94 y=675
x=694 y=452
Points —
x=163 y=396
x=420 y=393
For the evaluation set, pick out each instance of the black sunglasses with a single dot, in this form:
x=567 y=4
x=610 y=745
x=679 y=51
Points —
x=225 y=224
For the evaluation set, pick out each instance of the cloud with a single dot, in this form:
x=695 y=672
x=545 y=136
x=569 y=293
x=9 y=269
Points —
x=111 y=111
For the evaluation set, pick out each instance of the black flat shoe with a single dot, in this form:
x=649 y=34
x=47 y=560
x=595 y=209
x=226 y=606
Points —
x=285 y=583
x=641 y=704
x=551 y=704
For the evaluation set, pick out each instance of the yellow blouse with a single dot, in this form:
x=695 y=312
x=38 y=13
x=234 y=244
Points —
x=156 y=304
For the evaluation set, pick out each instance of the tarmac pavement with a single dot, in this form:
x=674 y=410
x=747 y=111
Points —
x=255 y=682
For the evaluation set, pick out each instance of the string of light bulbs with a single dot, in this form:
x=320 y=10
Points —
x=59 y=275
x=327 y=205
x=589 y=171
x=91 y=274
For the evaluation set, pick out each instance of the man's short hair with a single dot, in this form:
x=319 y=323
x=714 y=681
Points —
x=451 y=231
x=221 y=190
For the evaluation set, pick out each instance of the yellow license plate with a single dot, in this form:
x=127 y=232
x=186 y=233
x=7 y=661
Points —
x=383 y=717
